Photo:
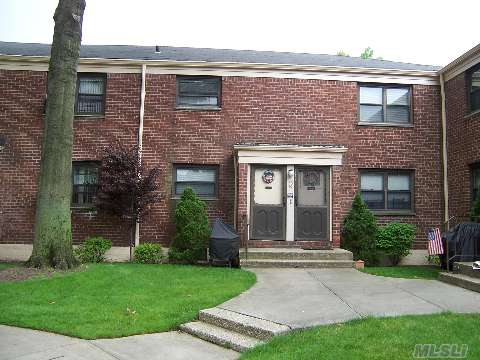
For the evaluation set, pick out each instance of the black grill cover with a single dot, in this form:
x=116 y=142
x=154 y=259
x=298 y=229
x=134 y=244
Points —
x=224 y=242
x=463 y=243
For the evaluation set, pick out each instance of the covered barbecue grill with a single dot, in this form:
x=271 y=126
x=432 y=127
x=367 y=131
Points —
x=463 y=244
x=224 y=245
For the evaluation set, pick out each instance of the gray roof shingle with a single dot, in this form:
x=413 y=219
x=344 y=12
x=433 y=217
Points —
x=212 y=55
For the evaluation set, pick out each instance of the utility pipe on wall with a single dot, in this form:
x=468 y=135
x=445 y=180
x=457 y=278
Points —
x=444 y=151
x=140 y=138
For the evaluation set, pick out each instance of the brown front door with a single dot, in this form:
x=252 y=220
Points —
x=312 y=203
x=268 y=203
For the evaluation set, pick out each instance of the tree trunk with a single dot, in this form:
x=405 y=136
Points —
x=52 y=245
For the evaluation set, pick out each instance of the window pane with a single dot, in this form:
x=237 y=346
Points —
x=207 y=175
x=475 y=81
x=371 y=95
x=91 y=85
x=371 y=182
x=198 y=87
x=398 y=182
x=374 y=199
x=198 y=100
x=398 y=114
x=203 y=189
x=371 y=113
x=397 y=96
x=475 y=100
x=399 y=201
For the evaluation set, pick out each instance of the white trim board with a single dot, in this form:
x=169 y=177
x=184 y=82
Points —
x=286 y=156
x=336 y=73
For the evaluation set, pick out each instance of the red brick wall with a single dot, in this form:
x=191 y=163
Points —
x=463 y=134
x=257 y=110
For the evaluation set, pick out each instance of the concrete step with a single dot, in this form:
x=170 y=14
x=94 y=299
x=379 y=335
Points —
x=465 y=268
x=295 y=254
x=244 y=324
x=461 y=280
x=220 y=336
x=279 y=263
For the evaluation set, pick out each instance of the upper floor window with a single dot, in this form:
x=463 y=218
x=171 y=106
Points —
x=85 y=183
x=90 y=96
x=198 y=91
x=473 y=83
x=202 y=179
x=387 y=190
x=385 y=104
x=475 y=173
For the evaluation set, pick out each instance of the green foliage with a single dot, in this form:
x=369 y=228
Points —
x=359 y=229
x=93 y=250
x=148 y=253
x=367 y=53
x=342 y=53
x=395 y=240
x=193 y=231
x=475 y=213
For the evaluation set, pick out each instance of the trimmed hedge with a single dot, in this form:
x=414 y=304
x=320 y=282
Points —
x=148 y=253
x=395 y=240
x=93 y=249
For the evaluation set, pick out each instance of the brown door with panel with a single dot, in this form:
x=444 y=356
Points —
x=267 y=203
x=312 y=203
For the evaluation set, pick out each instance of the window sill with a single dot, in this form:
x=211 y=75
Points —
x=89 y=117
x=198 y=108
x=177 y=198
x=86 y=208
x=472 y=114
x=393 y=213
x=385 y=124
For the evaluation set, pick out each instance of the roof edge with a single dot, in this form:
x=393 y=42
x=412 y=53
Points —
x=231 y=65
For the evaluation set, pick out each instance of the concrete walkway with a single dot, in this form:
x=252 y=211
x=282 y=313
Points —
x=302 y=298
x=25 y=344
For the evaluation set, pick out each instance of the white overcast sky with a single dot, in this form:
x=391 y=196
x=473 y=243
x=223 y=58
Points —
x=418 y=31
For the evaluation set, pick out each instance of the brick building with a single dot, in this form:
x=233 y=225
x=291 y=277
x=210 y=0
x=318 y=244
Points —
x=278 y=141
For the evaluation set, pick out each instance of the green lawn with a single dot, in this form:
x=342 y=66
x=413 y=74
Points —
x=113 y=300
x=373 y=338
x=408 y=272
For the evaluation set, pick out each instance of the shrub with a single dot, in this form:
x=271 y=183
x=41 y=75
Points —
x=359 y=229
x=395 y=240
x=93 y=249
x=193 y=231
x=148 y=253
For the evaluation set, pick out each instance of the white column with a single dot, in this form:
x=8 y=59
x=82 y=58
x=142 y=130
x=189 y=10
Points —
x=290 y=208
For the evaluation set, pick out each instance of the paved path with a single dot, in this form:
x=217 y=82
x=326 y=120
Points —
x=293 y=297
x=307 y=297
x=25 y=344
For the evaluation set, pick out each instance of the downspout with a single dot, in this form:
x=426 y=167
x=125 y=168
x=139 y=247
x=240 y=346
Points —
x=445 y=167
x=235 y=200
x=140 y=139
x=444 y=152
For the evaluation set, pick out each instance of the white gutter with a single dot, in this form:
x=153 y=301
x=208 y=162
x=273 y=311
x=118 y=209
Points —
x=444 y=150
x=140 y=138
x=231 y=65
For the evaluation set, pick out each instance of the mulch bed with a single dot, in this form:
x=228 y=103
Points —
x=19 y=273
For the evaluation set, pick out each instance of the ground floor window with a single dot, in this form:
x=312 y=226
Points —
x=85 y=183
x=475 y=171
x=202 y=179
x=387 y=190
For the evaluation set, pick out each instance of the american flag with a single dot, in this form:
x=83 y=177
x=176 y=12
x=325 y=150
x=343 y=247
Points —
x=435 y=245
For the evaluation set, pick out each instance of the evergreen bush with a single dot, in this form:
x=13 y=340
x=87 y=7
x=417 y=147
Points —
x=193 y=231
x=358 y=233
